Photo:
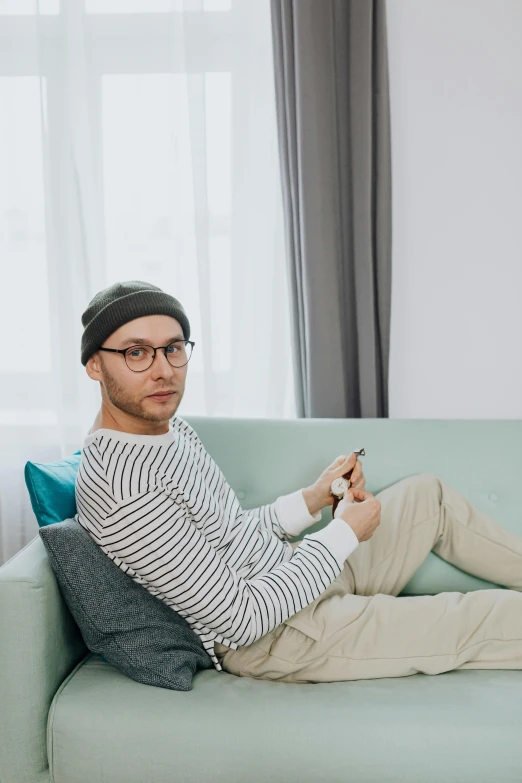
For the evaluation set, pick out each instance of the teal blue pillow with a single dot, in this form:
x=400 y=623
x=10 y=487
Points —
x=51 y=488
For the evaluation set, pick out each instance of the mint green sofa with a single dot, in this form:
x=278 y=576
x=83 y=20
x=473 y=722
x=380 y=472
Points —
x=68 y=716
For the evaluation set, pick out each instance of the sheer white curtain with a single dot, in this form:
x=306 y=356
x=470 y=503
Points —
x=137 y=141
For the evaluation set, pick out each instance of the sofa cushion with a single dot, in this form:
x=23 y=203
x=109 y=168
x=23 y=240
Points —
x=51 y=488
x=118 y=618
x=460 y=725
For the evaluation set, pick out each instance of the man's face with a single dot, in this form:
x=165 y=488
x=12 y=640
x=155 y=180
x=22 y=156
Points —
x=130 y=391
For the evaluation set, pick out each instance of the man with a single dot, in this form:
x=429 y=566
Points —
x=320 y=609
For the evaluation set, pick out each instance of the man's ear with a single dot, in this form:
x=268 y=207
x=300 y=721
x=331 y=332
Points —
x=93 y=367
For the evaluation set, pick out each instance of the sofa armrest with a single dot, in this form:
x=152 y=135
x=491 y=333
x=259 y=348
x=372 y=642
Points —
x=40 y=644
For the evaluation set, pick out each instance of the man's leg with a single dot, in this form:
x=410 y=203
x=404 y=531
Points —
x=359 y=628
x=420 y=514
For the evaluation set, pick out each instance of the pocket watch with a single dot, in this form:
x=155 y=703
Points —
x=342 y=483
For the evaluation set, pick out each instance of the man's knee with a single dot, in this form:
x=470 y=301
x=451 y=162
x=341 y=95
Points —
x=417 y=482
x=427 y=482
x=426 y=477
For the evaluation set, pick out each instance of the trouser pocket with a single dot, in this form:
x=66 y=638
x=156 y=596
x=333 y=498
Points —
x=300 y=623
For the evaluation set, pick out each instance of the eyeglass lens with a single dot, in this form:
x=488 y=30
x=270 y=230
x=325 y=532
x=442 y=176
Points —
x=140 y=357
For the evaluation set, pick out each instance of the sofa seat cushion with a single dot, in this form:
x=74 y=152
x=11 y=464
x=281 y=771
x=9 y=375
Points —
x=461 y=725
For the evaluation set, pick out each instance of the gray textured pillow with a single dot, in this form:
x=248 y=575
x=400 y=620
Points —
x=132 y=629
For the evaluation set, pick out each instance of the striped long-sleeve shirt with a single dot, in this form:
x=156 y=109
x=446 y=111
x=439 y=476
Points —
x=162 y=510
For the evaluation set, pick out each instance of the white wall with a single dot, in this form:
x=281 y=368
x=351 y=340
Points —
x=456 y=116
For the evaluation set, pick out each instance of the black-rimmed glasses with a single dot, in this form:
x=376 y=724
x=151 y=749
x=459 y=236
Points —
x=140 y=357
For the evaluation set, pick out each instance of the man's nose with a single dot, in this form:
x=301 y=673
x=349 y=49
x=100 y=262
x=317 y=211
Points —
x=161 y=365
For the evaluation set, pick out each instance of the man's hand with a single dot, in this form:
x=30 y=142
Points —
x=318 y=494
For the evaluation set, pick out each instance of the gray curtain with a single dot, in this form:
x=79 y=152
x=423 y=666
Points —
x=332 y=95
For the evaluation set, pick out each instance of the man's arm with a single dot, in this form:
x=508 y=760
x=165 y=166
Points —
x=287 y=516
x=152 y=538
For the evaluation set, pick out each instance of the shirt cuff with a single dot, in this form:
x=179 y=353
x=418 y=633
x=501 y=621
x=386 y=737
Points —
x=293 y=513
x=338 y=537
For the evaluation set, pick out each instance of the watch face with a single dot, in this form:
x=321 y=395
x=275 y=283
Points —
x=339 y=486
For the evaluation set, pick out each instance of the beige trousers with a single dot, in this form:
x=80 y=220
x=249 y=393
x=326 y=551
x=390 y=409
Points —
x=359 y=627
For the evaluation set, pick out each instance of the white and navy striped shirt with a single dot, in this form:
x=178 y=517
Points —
x=162 y=510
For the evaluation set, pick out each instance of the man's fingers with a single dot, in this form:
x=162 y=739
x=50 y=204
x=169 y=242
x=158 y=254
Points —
x=360 y=494
x=357 y=478
x=344 y=461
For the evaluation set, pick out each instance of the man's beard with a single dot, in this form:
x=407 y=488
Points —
x=121 y=400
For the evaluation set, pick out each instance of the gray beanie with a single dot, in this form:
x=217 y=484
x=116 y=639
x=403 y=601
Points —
x=122 y=302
